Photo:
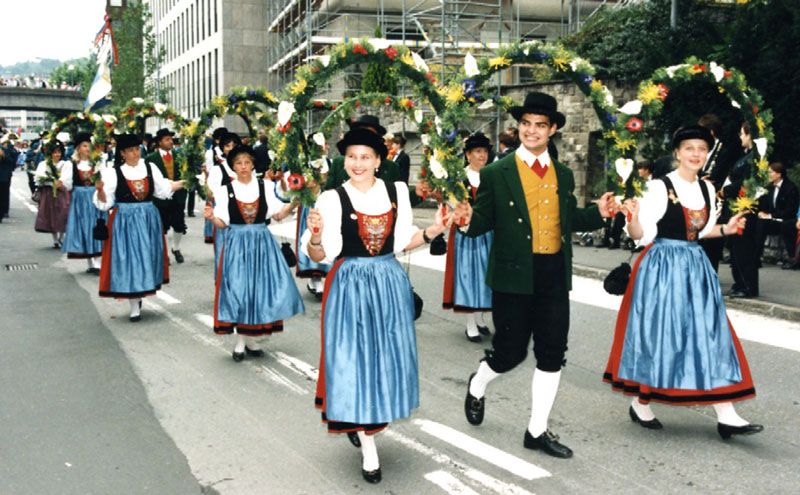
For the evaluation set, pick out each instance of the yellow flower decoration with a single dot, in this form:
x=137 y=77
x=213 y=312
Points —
x=298 y=87
x=743 y=203
x=132 y=124
x=219 y=102
x=760 y=125
x=454 y=94
x=596 y=85
x=269 y=96
x=648 y=93
x=561 y=63
x=498 y=62
x=408 y=59
x=612 y=134
x=190 y=129
x=625 y=144
x=762 y=164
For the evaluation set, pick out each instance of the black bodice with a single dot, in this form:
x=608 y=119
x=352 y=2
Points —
x=367 y=235
x=123 y=193
x=675 y=224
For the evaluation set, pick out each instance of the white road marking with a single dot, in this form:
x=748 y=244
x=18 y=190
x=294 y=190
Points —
x=481 y=450
x=21 y=197
x=206 y=320
x=166 y=297
x=298 y=366
x=449 y=483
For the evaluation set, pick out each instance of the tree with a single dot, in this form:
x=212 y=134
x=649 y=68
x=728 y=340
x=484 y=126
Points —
x=79 y=72
x=377 y=78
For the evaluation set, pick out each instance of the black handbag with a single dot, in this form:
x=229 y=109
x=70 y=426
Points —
x=616 y=282
x=288 y=254
x=418 y=303
x=438 y=245
x=100 y=231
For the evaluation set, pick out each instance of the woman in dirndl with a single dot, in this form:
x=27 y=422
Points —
x=135 y=261
x=53 y=196
x=673 y=341
x=368 y=373
x=219 y=175
x=255 y=291
x=77 y=176
x=465 y=289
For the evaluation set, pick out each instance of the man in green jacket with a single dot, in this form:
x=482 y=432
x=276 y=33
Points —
x=527 y=199
x=171 y=210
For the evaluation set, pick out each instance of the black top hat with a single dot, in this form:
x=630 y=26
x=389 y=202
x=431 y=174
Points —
x=477 y=140
x=369 y=121
x=692 y=132
x=228 y=137
x=359 y=135
x=238 y=150
x=540 y=104
x=125 y=141
x=82 y=137
x=52 y=145
x=163 y=133
x=218 y=133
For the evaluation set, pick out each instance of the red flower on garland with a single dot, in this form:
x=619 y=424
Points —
x=755 y=109
x=358 y=103
x=408 y=104
x=391 y=52
x=634 y=124
x=700 y=67
x=423 y=173
x=131 y=111
x=318 y=104
x=742 y=192
x=431 y=77
x=285 y=128
x=333 y=107
x=296 y=182
x=359 y=49
x=274 y=175
x=663 y=91
x=388 y=100
x=109 y=125
x=727 y=73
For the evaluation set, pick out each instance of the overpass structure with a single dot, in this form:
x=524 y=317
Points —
x=59 y=101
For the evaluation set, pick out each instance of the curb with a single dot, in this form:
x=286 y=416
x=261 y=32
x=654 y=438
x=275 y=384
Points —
x=754 y=306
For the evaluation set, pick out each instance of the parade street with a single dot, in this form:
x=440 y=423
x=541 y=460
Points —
x=94 y=404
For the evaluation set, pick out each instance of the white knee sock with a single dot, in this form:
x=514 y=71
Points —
x=369 y=451
x=239 y=347
x=318 y=284
x=481 y=319
x=61 y=237
x=472 y=326
x=726 y=414
x=89 y=262
x=544 y=388
x=135 y=309
x=481 y=379
x=176 y=241
x=642 y=410
x=55 y=236
x=252 y=343
x=96 y=263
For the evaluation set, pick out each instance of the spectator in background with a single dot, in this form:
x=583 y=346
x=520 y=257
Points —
x=777 y=212
x=744 y=248
x=8 y=162
x=507 y=142
x=261 y=151
x=401 y=158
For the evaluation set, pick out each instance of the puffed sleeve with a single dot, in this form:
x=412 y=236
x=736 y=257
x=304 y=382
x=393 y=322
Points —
x=163 y=186
x=214 y=179
x=40 y=176
x=66 y=176
x=404 y=228
x=330 y=208
x=109 y=177
x=713 y=213
x=652 y=206
x=274 y=203
x=221 y=204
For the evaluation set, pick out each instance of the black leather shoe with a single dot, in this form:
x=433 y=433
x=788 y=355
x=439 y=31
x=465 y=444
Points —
x=254 y=352
x=311 y=289
x=93 y=270
x=548 y=443
x=476 y=338
x=727 y=431
x=178 y=256
x=238 y=356
x=353 y=437
x=484 y=330
x=136 y=318
x=371 y=476
x=473 y=407
x=790 y=265
x=653 y=424
x=740 y=295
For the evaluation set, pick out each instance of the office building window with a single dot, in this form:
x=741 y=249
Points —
x=215 y=16
x=216 y=70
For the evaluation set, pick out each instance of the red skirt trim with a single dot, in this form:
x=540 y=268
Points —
x=683 y=397
x=449 y=291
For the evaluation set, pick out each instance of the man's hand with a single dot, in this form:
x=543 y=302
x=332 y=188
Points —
x=607 y=205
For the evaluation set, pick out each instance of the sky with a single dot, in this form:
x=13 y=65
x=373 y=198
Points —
x=60 y=29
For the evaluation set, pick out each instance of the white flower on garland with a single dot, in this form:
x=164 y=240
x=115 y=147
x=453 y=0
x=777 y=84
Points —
x=319 y=138
x=624 y=168
x=717 y=71
x=438 y=123
x=109 y=119
x=672 y=69
x=285 y=111
x=426 y=140
x=761 y=146
x=760 y=191
x=608 y=96
x=418 y=116
x=63 y=136
x=320 y=164
x=380 y=43
x=271 y=154
x=437 y=169
x=486 y=105
x=54 y=126
x=419 y=63
x=323 y=59
x=471 y=65
x=137 y=100
x=633 y=107
x=160 y=108
x=96 y=117
x=81 y=116
x=735 y=104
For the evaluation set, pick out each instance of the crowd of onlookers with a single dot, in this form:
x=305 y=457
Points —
x=33 y=82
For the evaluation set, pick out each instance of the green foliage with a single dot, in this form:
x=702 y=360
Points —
x=40 y=67
x=379 y=79
x=127 y=78
x=154 y=57
x=78 y=72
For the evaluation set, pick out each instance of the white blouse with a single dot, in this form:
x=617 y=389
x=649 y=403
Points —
x=473 y=177
x=246 y=193
x=373 y=202
x=653 y=204
x=162 y=186
x=66 y=173
x=211 y=154
x=40 y=176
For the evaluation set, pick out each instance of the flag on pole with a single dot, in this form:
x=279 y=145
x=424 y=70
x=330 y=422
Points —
x=105 y=46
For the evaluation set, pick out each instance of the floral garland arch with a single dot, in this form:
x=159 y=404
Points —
x=641 y=112
x=242 y=101
x=71 y=124
x=465 y=93
x=288 y=140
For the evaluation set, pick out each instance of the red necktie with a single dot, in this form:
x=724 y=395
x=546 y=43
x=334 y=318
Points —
x=168 y=156
x=538 y=168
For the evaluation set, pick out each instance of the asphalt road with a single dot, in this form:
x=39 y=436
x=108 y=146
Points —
x=91 y=403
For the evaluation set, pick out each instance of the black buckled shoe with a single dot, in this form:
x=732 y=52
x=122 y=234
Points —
x=653 y=424
x=548 y=443
x=473 y=407
x=178 y=255
x=136 y=318
x=254 y=352
x=484 y=330
x=238 y=356
x=353 y=437
x=473 y=338
x=371 y=476
x=727 y=431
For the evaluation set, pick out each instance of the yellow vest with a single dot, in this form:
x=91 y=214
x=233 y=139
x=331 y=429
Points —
x=541 y=197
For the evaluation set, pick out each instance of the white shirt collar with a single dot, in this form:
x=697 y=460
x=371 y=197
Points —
x=778 y=185
x=164 y=152
x=528 y=157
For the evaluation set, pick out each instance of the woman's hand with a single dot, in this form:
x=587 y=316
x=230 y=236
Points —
x=735 y=225
x=178 y=184
x=314 y=224
x=631 y=208
x=462 y=214
x=59 y=185
x=208 y=212
x=441 y=221
x=101 y=192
